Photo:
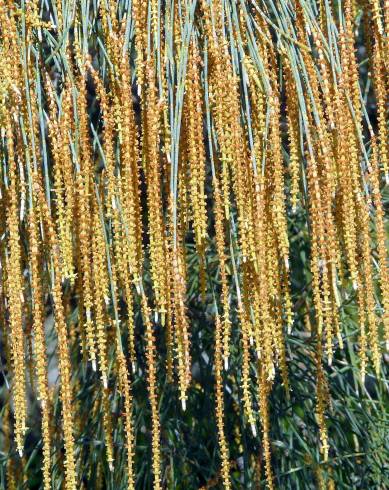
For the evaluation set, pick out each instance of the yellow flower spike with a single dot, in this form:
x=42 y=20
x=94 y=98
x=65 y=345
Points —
x=277 y=179
x=62 y=334
x=170 y=339
x=362 y=334
x=61 y=159
x=156 y=223
x=326 y=78
x=317 y=229
x=376 y=14
x=139 y=13
x=14 y=288
x=84 y=189
x=386 y=40
x=196 y=150
x=321 y=388
x=180 y=319
x=101 y=291
x=263 y=393
x=126 y=393
x=152 y=388
x=107 y=422
x=382 y=109
x=368 y=289
x=129 y=183
x=220 y=246
x=285 y=308
x=40 y=342
x=381 y=237
x=293 y=136
x=223 y=447
x=350 y=61
x=247 y=398
x=123 y=222
x=11 y=472
x=65 y=124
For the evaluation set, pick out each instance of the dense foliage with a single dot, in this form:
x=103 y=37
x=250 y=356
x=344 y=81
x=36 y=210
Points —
x=194 y=288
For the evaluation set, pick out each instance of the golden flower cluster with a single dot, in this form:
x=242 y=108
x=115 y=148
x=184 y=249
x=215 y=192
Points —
x=187 y=128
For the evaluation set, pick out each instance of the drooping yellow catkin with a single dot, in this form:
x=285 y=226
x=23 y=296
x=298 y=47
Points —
x=247 y=398
x=152 y=389
x=335 y=310
x=368 y=289
x=272 y=322
x=154 y=196
x=263 y=276
x=29 y=351
x=62 y=334
x=220 y=246
x=59 y=12
x=219 y=92
x=386 y=40
x=170 y=336
x=7 y=429
x=124 y=254
x=196 y=150
x=107 y=422
x=15 y=296
x=320 y=481
x=349 y=82
x=65 y=124
x=263 y=393
x=130 y=185
x=351 y=67
x=111 y=30
x=322 y=173
x=326 y=80
x=317 y=230
x=126 y=393
x=362 y=333
x=234 y=155
x=346 y=194
x=321 y=402
x=381 y=236
x=183 y=212
x=57 y=143
x=177 y=311
x=39 y=340
x=331 y=482
x=139 y=14
x=128 y=294
x=100 y=292
x=123 y=262
x=322 y=110
x=257 y=98
x=242 y=175
x=83 y=183
x=223 y=447
x=278 y=196
x=382 y=108
x=376 y=15
x=249 y=216
x=283 y=317
x=293 y=136
x=109 y=156
x=181 y=325
x=11 y=66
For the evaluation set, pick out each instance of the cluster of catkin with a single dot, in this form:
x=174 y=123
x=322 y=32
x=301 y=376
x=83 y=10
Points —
x=195 y=123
